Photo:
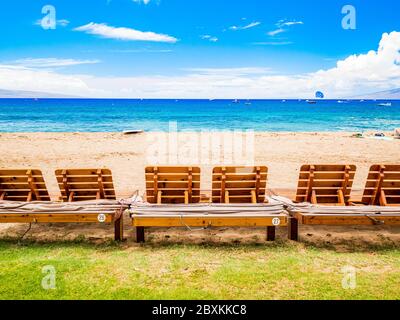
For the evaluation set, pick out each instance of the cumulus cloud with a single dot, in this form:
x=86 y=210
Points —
x=122 y=33
x=27 y=79
x=358 y=74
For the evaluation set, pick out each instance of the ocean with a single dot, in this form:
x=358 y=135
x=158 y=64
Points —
x=107 y=115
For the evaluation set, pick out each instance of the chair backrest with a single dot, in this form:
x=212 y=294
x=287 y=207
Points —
x=85 y=184
x=172 y=185
x=383 y=185
x=239 y=184
x=22 y=185
x=325 y=184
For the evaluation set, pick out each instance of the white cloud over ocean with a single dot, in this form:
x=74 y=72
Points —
x=123 y=33
x=358 y=74
x=51 y=62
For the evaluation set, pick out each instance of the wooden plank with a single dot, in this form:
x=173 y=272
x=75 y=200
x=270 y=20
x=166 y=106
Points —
x=53 y=218
x=207 y=221
x=350 y=219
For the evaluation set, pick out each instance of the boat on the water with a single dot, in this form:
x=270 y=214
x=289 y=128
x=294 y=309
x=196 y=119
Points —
x=311 y=101
x=385 y=104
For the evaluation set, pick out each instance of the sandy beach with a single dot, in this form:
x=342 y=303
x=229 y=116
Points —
x=127 y=155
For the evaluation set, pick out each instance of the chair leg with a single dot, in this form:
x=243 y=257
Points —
x=140 y=235
x=271 y=233
x=293 y=229
x=119 y=229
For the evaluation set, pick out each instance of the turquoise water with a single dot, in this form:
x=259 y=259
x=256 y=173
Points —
x=97 y=115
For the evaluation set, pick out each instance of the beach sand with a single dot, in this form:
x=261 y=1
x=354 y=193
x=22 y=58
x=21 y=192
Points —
x=127 y=155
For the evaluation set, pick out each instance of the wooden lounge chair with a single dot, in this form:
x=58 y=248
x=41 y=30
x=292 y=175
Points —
x=383 y=186
x=241 y=185
x=90 y=184
x=22 y=185
x=172 y=185
x=380 y=189
x=85 y=184
x=25 y=199
x=173 y=189
x=325 y=184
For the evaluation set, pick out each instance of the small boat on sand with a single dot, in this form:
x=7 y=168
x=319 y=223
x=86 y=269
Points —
x=128 y=132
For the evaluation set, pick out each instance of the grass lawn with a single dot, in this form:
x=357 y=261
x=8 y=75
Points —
x=273 y=271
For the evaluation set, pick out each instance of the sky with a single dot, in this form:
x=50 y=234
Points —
x=200 y=48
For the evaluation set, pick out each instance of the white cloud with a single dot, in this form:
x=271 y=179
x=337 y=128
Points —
x=145 y=2
x=141 y=50
x=356 y=75
x=122 y=33
x=51 y=62
x=248 y=26
x=26 y=79
x=286 y=23
x=230 y=71
x=209 y=38
x=62 y=22
x=272 y=43
x=275 y=32
x=283 y=25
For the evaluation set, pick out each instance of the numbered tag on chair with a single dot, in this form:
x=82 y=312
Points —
x=101 y=218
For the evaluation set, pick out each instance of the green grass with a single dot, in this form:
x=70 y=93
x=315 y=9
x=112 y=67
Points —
x=272 y=271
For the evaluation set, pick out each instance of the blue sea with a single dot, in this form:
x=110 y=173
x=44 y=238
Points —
x=107 y=115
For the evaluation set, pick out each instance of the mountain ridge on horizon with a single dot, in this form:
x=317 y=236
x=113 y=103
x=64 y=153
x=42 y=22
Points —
x=392 y=94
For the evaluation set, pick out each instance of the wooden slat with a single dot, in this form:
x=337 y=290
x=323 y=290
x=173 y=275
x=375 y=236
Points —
x=53 y=218
x=23 y=185
x=348 y=219
x=207 y=221
x=238 y=183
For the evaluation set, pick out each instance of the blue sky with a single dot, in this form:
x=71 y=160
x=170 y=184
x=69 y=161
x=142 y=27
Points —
x=237 y=42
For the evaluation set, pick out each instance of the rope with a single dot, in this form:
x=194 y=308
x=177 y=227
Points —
x=30 y=227
x=189 y=228
x=375 y=221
